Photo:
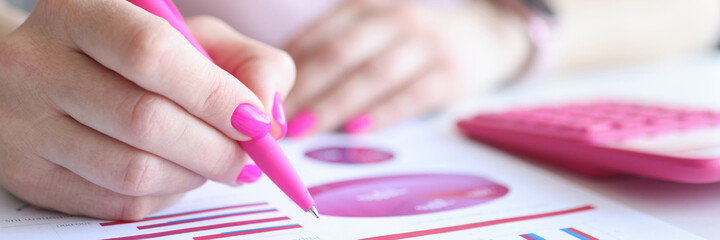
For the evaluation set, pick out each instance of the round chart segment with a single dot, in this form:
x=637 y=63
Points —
x=350 y=155
x=403 y=195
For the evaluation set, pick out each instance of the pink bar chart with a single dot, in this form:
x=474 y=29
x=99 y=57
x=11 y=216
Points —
x=211 y=223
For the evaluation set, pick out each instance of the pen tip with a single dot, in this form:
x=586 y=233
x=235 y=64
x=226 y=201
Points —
x=314 y=212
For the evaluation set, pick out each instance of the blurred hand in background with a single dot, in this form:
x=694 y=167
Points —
x=371 y=63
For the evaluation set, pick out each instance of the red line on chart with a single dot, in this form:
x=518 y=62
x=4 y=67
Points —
x=184 y=214
x=165 y=224
x=247 y=232
x=196 y=229
x=478 y=224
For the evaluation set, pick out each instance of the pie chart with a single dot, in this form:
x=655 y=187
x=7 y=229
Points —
x=404 y=195
x=349 y=155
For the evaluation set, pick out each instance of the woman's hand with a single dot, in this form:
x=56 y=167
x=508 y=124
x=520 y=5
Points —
x=109 y=112
x=371 y=63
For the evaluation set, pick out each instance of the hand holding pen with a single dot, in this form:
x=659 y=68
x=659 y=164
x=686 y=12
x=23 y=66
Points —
x=111 y=113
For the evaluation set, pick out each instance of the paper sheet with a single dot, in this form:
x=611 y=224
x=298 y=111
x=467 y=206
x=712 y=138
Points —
x=420 y=180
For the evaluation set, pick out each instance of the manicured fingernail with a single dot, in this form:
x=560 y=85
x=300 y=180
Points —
x=278 y=112
x=359 y=124
x=249 y=174
x=250 y=121
x=301 y=124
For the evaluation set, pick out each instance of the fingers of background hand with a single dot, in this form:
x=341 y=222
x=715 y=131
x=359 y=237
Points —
x=380 y=77
x=266 y=71
x=64 y=191
x=339 y=56
x=106 y=102
x=110 y=163
x=331 y=25
x=429 y=91
x=148 y=51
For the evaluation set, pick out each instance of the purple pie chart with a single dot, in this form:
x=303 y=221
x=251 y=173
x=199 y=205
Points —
x=349 y=155
x=404 y=195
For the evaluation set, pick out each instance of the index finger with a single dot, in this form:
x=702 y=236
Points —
x=146 y=50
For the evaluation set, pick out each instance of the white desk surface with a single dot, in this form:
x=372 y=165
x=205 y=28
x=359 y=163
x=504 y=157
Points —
x=693 y=82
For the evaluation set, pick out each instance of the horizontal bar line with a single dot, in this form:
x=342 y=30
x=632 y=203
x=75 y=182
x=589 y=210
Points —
x=248 y=232
x=578 y=234
x=202 y=228
x=478 y=224
x=184 y=213
x=531 y=236
x=189 y=220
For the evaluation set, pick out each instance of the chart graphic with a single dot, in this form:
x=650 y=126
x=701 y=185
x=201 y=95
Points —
x=578 y=234
x=403 y=195
x=570 y=231
x=212 y=223
x=349 y=155
x=531 y=236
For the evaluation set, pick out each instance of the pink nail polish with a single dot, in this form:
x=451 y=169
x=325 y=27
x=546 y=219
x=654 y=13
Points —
x=278 y=112
x=250 y=121
x=301 y=124
x=359 y=124
x=249 y=174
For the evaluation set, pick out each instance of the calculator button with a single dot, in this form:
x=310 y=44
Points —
x=600 y=121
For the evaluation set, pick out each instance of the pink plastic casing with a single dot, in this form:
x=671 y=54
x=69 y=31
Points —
x=578 y=137
x=271 y=159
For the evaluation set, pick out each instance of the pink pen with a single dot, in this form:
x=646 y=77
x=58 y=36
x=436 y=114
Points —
x=265 y=150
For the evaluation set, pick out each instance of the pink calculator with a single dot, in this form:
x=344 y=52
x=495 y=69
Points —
x=610 y=138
